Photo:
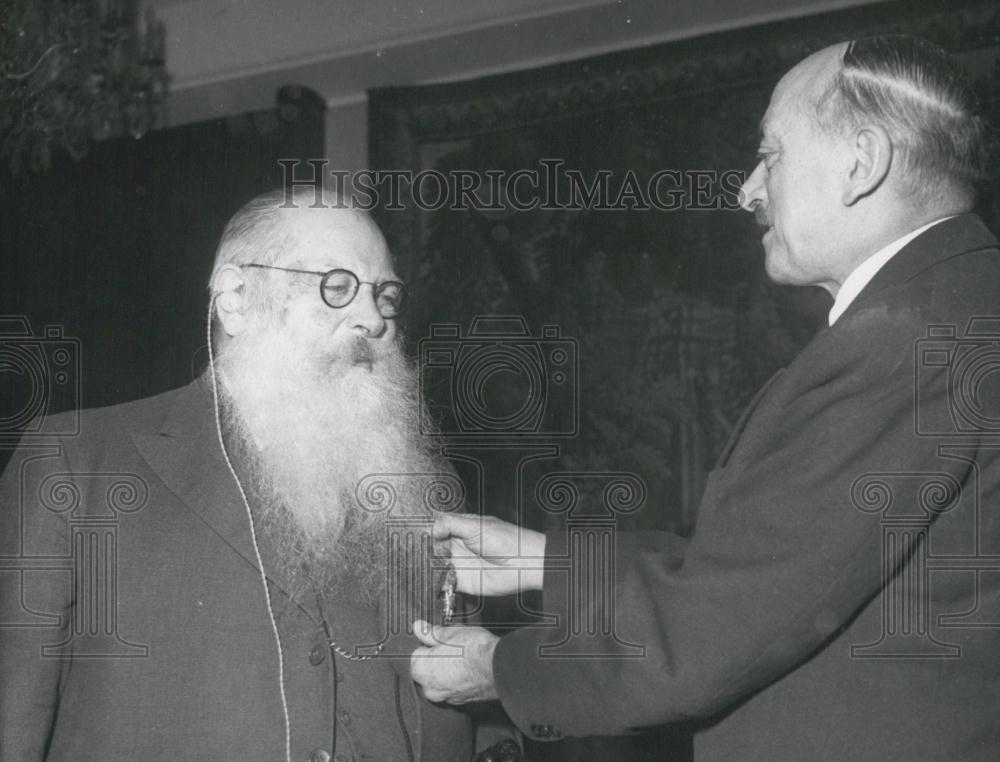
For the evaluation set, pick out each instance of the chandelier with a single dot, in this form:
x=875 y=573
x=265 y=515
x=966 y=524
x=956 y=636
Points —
x=75 y=71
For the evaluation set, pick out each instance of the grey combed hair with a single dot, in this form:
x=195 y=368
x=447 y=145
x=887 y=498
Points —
x=922 y=97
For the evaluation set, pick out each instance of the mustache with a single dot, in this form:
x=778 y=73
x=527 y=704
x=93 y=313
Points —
x=361 y=352
x=761 y=216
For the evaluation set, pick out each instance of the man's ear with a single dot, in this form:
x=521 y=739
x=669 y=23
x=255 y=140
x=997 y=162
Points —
x=871 y=157
x=230 y=300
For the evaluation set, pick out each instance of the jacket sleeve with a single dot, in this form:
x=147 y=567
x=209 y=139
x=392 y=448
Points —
x=35 y=597
x=786 y=550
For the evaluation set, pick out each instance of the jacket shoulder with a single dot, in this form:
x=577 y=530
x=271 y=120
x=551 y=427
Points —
x=90 y=428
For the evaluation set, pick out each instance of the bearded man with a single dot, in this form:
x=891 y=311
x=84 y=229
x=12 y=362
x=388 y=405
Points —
x=226 y=568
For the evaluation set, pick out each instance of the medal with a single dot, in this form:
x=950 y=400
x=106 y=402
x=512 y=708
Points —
x=447 y=594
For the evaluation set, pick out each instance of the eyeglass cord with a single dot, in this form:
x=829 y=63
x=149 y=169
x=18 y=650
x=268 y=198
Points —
x=253 y=533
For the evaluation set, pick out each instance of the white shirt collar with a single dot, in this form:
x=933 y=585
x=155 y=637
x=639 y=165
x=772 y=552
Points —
x=862 y=274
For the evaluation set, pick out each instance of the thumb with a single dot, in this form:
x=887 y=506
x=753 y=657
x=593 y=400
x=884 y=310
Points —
x=441 y=530
x=425 y=633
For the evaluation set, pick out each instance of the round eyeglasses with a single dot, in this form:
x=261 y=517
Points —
x=338 y=287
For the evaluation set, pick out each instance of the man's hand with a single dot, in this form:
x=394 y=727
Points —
x=490 y=556
x=455 y=664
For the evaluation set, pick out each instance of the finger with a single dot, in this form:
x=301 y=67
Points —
x=458 y=549
x=455 y=525
x=468 y=582
x=433 y=636
x=425 y=633
x=442 y=526
x=435 y=696
x=470 y=574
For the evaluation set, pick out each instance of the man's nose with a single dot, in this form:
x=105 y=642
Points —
x=752 y=192
x=365 y=316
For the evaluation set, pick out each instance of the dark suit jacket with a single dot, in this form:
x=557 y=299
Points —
x=840 y=596
x=141 y=507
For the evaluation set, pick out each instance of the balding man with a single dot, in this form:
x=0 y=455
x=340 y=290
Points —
x=236 y=615
x=840 y=596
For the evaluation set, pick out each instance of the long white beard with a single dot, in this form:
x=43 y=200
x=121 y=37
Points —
x=307 y=428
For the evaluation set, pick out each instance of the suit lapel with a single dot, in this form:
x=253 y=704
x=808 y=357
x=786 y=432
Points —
x=186 y=455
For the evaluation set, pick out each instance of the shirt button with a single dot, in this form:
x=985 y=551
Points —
x=317 y=655
x=319 y=755
x=345 y=717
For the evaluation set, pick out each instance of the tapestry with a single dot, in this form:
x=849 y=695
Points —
x=606 y=224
